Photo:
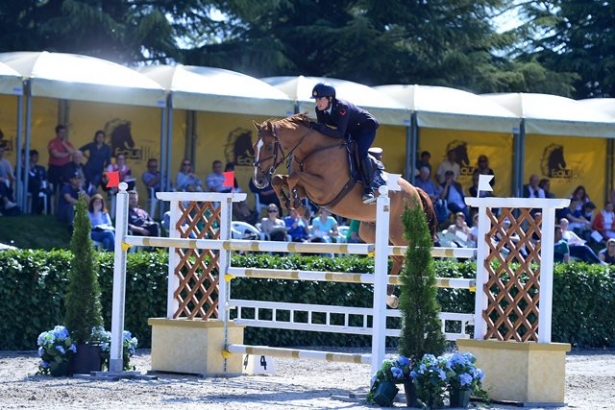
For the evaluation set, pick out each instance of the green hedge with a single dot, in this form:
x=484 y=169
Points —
x=34 y=284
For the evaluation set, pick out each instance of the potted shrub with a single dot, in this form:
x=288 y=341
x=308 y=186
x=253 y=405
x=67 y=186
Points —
x=421 y=331
x=430 y=380
x=55 y=348
x=129 y=346
x=83 y=307
x=464 y=379
x=383 y=384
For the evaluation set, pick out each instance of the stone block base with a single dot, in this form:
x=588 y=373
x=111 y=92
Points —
x=526 y=372
x=194 y=347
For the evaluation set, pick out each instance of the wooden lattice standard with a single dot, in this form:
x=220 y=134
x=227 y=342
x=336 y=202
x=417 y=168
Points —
x=513 y=267
x=197 y=293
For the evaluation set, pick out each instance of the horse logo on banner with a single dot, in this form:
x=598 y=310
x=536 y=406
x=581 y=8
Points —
x=238 y=148
x=461 y=156
x=553 y=164
x=119 y=132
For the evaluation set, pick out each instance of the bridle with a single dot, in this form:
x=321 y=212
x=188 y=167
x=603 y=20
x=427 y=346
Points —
x=277 y=147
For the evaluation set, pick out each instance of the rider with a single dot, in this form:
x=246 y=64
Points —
x=342 y=119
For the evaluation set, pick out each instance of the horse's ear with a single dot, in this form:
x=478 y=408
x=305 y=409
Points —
x=256 y=125
x=269 y=127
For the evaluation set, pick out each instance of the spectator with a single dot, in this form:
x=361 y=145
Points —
x=187 y=180
x=99 y=158
x=577 y=247
x=75 y=165
x=102 y=229
x=607 y=255
x=215 y=180
x=453 y=194
x=124 y=172
x=449 y=164
x=581 y=196
x=60 y=151
x=532 y=190
x=474 y=192
x=272 y=225
x=545 y=184
x=69 y=195
x=433 y=190
x=423 y=161
x=460 y=227
x=575 y=216
x=139 y=221
x=604 y=222
x=265 y=195
x=37 y=184
x=352 y=236
x=7 y=179
x=151 y=177
x=561 y=251
x=482 y=168
x=297 y=226
x=324 y=227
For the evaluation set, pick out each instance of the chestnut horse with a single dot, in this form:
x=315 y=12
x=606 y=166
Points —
x=319 y=169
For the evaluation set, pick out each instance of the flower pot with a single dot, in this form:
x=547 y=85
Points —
x=87 y=359
x=58 y=369
x=411 y=399
x=459 y=397
x=385 y=393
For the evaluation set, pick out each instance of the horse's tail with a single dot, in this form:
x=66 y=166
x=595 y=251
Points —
x=430 y=213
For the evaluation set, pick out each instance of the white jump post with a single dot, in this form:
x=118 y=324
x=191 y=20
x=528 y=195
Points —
x=116 y=361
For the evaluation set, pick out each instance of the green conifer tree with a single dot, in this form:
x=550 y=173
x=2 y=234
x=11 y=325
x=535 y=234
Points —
x=421 y=327
x=83 y=307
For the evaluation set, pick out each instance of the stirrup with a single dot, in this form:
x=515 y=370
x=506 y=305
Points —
x=368 y=198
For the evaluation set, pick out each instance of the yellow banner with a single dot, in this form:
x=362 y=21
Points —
x=392 y=140
x=469 y=145
x=568 y=162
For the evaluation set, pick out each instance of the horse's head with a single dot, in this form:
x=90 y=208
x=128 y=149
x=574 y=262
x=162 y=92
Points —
x=552 y=159
x=268 y=154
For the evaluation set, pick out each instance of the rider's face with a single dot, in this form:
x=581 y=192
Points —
x=322 y=103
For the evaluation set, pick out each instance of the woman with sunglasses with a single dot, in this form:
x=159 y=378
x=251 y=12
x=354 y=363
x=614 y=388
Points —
x=186 y=179
x=272 y=225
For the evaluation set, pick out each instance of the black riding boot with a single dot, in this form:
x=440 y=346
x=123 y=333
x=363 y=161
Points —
x=366 y=175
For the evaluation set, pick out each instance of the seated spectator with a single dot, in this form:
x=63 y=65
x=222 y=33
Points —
x=99 y=158
x=324 y=227
x=607 y=255
x=575 y=216
x=604 y=221
x=545 y=185
x=453 y=193
x=7 y=179
x=581 y=196
x=151 y=177
x=532 y=189
x=102 y=229
x=561 y=251
x=37 y=184
x=139 y=221
x=187 y=180
x=124 y=172
x=215 y=183
x=274 y=226
x=423 y=161
x=460 y=227
x=482 y=168
x=297 y=226
x=473 y=237
x=69 y=195
x=353 y=232
x=577 y=247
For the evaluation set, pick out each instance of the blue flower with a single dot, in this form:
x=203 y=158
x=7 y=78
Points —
x=73 y=348
x=61 y=349
x=397 y=373
x=465 y=379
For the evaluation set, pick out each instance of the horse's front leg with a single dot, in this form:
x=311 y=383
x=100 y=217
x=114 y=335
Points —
x=279 y=183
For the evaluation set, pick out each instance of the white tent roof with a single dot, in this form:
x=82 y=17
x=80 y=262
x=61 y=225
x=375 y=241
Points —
x=219 y=90
x=605 y=105
x=384 y=108
x=450 y=108
x=10 y=81
x=553 y=115
x=76 y=77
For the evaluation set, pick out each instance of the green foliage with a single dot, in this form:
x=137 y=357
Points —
x=83 y=308
x=35 y=232
x=421 y=326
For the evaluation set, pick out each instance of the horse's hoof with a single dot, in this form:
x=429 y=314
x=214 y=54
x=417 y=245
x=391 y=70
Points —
x=392 y=301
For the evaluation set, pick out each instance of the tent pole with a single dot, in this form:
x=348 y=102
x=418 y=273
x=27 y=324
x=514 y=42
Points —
x=169 y=150
x=412 y=146
x=21 y=193
x=27 y=145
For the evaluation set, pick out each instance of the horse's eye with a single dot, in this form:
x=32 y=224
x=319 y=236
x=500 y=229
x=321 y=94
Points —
x=269 y=148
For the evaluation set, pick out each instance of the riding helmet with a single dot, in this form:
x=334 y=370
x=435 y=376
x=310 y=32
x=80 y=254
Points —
x=323 y=90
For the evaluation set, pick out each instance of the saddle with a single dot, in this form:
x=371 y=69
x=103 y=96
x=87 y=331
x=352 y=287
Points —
x=378 y=174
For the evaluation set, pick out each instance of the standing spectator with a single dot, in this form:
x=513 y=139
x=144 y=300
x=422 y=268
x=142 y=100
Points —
x=561 y=251
x=69 y=195
x=482 y=168
x=187 y=180
x=151 y=177
x=607 y=255
x=60 y=151
x=102 y=229
x=423 y=161
x=545 y=184
x=604 y=222
x=272 y=225
x=324 y=226
x=453 y=193
x=532 y=190
x=37 y=183
x=139 y=221
x=297 y=226
x=124 y=172
x=449 y=164
x=99 y=158
x=7 y=179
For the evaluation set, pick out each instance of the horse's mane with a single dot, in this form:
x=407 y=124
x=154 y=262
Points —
x=296 y=119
